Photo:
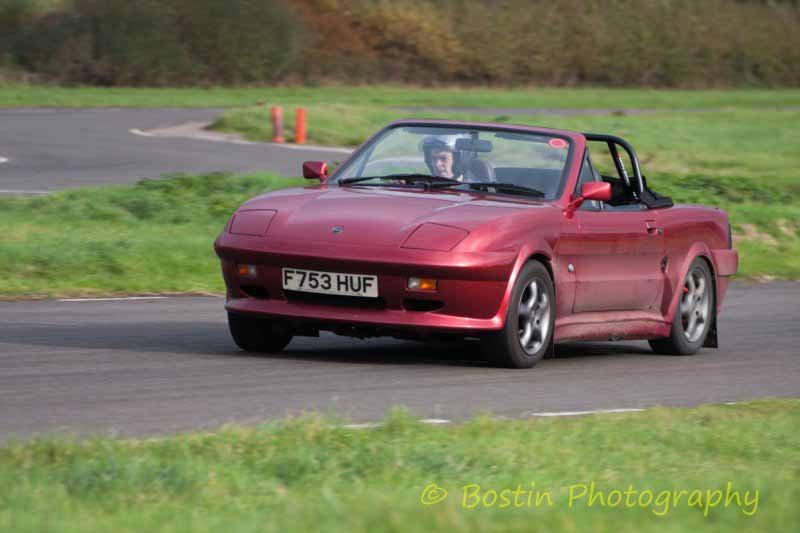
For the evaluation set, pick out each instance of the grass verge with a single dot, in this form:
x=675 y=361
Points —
x=155 y=236
x=39 y=95
x=312 y=474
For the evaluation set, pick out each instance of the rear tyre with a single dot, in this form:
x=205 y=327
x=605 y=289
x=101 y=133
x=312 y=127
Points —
x=530 y=321
x=258 y=334
x=694 y=316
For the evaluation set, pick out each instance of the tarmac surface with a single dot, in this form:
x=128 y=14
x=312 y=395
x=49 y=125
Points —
x=143 y=367
x=47 y=149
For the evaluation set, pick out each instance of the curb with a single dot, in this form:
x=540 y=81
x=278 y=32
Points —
x=200 y=131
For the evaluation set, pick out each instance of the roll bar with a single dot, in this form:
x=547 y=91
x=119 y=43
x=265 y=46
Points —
x=613 y=141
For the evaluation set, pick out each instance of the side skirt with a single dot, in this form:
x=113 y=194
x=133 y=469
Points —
x=616 y=325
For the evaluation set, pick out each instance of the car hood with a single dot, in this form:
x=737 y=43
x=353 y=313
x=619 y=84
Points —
x=382 y=216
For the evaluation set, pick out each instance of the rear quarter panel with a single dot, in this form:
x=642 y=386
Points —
x=691 y=231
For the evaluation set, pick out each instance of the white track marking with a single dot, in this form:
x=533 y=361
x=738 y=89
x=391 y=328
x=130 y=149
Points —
x=112 y=299
x=373 y=425
x=3 y=160
x=207 y=135
x=435 y=421
x=440 y=421
x=137 y=131
x=16 y=191
x=314 y=147
x=594 y=412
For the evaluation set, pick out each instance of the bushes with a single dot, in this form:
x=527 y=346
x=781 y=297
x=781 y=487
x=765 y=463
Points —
x=155 y=42
x=570 y=42
x=665 y=43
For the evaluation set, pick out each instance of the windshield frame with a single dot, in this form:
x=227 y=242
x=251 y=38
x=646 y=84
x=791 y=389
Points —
x=370 y=144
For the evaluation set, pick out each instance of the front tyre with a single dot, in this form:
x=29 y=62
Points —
x=694 y=316
x=530 y=321
x=258 y=334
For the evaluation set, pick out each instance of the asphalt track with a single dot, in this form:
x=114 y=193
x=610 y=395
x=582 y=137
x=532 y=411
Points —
x=140 y=367
x=49 y=149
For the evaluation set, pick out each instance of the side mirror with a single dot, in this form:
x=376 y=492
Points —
x=596 y=190
x=315 y=170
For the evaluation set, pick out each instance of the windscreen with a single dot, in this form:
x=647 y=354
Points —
x=467 y=155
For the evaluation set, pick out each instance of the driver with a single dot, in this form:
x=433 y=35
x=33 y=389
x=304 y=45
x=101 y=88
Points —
x=441 y=156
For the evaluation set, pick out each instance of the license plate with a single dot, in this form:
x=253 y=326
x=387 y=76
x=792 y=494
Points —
x=330 y=283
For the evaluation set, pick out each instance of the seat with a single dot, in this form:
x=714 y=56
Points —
x=480 y=170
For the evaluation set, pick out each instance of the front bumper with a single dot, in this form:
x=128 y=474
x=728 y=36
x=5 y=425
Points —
x=470 y=296
x=318 y=315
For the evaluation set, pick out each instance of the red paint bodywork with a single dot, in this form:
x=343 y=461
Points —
x=474 y=244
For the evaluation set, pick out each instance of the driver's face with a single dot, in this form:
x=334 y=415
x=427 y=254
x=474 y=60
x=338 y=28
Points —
x=442 y=161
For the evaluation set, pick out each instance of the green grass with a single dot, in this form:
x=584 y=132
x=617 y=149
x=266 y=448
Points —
x=37 y=95
x=155 y=236
x=311 y=474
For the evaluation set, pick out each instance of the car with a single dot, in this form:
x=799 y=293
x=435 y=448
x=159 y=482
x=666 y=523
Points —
x=516 y=236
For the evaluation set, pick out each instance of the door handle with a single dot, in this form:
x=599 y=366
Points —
x=653 y=228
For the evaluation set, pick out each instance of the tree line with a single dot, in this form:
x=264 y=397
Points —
x=658 y=43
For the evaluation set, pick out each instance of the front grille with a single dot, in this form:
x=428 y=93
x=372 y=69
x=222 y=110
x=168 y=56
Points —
x=336 y=300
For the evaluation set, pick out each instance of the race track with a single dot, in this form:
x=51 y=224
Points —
x=48 y=149
x=136 y=367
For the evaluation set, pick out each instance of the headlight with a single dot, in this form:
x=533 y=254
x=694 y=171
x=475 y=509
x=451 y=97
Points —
x=254 y=222
x=430 y=236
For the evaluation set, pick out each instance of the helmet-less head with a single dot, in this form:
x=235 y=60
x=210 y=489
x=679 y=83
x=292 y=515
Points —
x=441 y=156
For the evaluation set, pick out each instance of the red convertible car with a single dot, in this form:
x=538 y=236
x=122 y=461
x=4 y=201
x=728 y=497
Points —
x=518 y=236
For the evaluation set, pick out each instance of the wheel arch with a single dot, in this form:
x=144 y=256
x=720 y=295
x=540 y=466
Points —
x=545 y=260
x=538 y=251
x=698 y=250
x=711 y=339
